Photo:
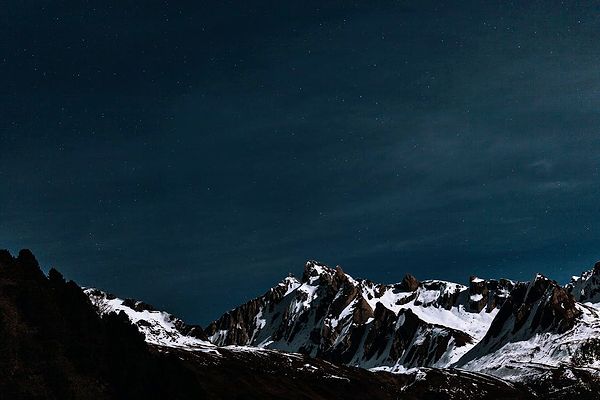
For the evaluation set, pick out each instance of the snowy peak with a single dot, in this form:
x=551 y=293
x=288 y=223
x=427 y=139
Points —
x=330 y=314
x=480 y=294
x=586 y=289
x=316 y=273
x=158 y=327
x=314 y=269
x=540 y=305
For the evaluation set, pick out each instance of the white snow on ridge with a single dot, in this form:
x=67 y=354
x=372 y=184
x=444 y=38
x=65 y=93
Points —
x=158 y=327
x=424 y=303
x=544 y=349
x=475 y=324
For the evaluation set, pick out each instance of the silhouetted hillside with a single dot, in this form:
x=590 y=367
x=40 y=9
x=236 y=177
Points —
x=53 y=345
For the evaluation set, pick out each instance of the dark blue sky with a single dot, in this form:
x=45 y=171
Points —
x=192 y=155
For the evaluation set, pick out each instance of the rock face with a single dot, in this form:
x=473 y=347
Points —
x=242 y=323
x=329 y=314
x=409 y=283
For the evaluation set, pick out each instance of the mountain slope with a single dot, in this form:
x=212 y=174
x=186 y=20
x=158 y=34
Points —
x=540 y=323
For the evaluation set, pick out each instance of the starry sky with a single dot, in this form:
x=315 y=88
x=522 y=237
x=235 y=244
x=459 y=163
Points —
x=192 y=154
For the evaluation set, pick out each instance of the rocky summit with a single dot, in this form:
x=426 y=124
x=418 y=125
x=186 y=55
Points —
x=329 y=314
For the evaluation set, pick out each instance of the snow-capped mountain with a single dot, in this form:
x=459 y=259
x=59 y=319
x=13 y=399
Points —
x=535 y=333
x=159 y=327
x=329 y=314
x=497 y=326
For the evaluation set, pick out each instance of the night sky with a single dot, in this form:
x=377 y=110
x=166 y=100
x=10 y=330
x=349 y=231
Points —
x=192 y=155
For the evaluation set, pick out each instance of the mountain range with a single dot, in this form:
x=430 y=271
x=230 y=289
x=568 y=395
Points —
x=324 y=335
